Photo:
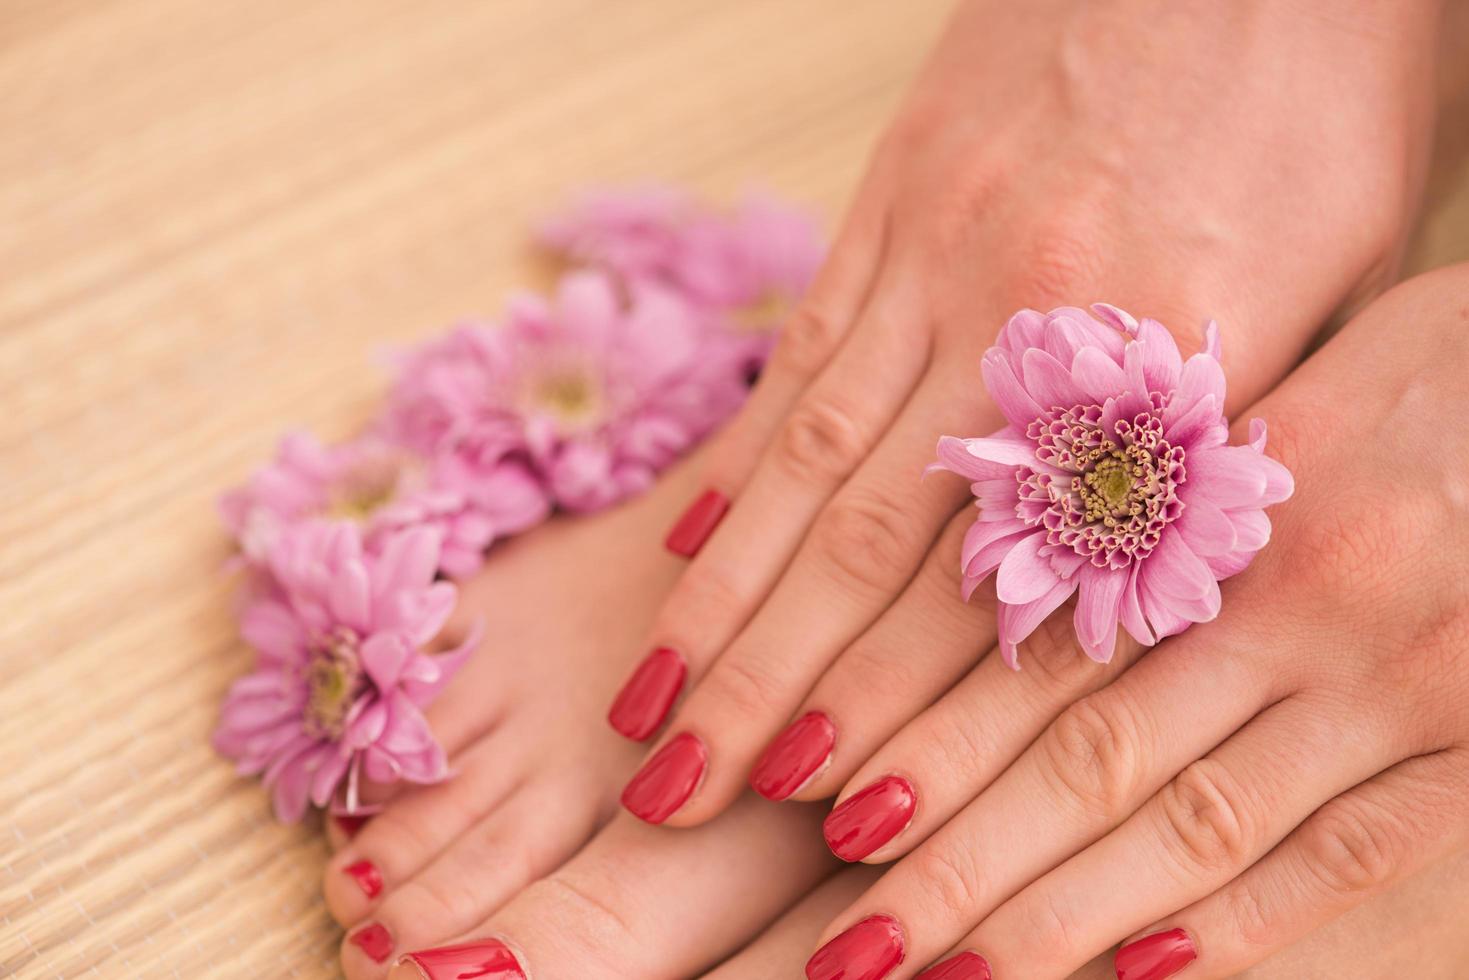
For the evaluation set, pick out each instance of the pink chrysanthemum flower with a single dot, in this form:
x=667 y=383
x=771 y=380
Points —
x=341 y=671
x=384 y=488
x=751 y=263
x=1112 y=481
x=597 y=391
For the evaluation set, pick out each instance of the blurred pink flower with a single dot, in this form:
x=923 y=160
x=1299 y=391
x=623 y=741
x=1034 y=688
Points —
x=1112 y=480
x=384 y=488
x=596 y=390
x=341 y=671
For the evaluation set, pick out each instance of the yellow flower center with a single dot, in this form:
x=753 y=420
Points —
x=766 y=312
x=333 y=680
x=573 y=396
x=362 y=492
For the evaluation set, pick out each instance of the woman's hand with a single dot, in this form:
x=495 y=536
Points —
x=1252 y=161
x=1252 y=778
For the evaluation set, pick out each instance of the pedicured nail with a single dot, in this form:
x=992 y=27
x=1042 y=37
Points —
x=349 y=824
x=1155 y=957
x=649 y=693
x=870 y=950
x=797 y=754
x=484 y=959
x=367 y=876
x=965 y=966
x=667 y=780
x=697 y=523
x=375 y=941
x=870 y=819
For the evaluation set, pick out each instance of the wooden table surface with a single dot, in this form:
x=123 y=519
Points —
x=211 y=213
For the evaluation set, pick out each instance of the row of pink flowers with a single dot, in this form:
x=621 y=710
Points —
x=571 y=402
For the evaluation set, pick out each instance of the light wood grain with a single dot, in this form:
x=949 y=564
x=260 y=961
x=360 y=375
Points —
x=211 y=213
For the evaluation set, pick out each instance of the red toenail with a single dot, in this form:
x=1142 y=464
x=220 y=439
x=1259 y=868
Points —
x=375 y=941
x=367 y=876
x=794 y=757
x=667 y=780
x=349 y=824
x=485 y=959
x=697 y=523
x=645 y=699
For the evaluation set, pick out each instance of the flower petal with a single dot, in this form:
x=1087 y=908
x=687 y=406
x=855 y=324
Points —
x=384 y=655
x=1097 y=374
x=1005 y=387
x=1024 y=575
x=1098 y=604
x=1173 y=569
x=1015 y=623
x=1206 y=529
x=1049 y=382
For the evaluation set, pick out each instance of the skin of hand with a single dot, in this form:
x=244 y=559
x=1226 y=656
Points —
x=1255 y=162
x=1255 y=777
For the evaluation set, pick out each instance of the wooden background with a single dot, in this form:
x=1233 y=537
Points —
x=211 y=213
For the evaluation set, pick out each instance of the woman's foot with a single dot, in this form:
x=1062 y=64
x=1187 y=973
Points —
x=537 y=772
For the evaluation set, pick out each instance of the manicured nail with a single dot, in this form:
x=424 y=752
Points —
x=697 y=523
x=375 y=941
x=349 y=824
x=870 y=819
x=667 y=780
x=649 y=693
x=367 y=876
x=484 y=959
x=870 y=950
x=1155 y=957
x=796 y=755
x=965 y=966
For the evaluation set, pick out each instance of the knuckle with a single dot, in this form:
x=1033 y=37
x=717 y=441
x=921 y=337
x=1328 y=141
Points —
x=1349 y=853
x=868 y=539
x=950 y=877
x=962 y=747
x=1054 y=663
x=703 y=595
x=578 y=901
x=1205 y=820
x=820 y=442
x=1248 y=914
x=1058 y=262
x=746 y=687
x=1092 y=748
x=807 y=341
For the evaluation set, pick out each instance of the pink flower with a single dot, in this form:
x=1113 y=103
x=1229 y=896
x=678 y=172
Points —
x=383 y=487
x=596 y=391
x=1112 y=481
x=634 y=232
x=341 y=671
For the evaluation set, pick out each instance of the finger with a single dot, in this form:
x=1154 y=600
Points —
x=486 y=865
x=952 y=751
x=915 y=651
x=411 y=830
x=1214 y=820
x=860 y=554
x=1100 y=760
x=1357 y=846
x=777 y=950
x=638 y=902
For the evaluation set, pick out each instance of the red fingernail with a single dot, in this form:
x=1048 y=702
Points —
x=1155 y=957
x=697 y=523
x=794 y=757
x=667 y=780
x=484 y=959
x=644 y=700
x=965 y=966
x=368 y=878
x=870 y=819
x=375 y=941
x=349 y=824
x=870 y=950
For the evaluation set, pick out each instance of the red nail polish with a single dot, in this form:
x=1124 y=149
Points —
x=965 y=966
x=870 y=950
x=349 y=824
x=375 y=941
x=367 y=876
x=796 y=755
x=649 y=693
x=697 y=523
x=1155 y=957
x=667 y=780
x=484 y=959
x=870 y=819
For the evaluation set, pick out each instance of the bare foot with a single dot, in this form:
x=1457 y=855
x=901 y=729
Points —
x=564 y=609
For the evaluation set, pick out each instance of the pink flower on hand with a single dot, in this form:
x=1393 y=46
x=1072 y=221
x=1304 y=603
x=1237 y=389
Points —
x=1112 y=481
x=384 y=488
x=341 y=670
x=596 y=391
